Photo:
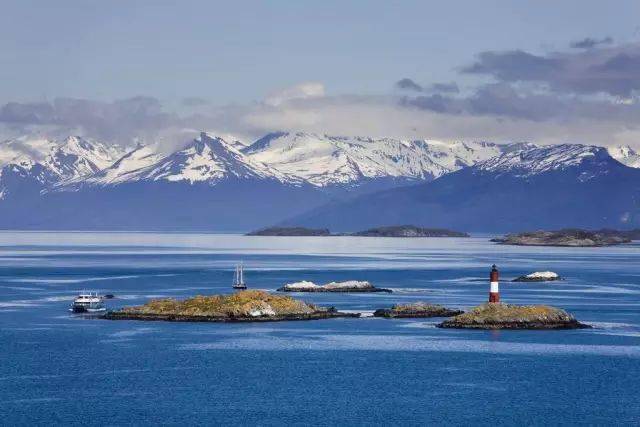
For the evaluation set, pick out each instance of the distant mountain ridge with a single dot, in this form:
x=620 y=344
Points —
x=547 y=187
x=225 y=184
x=332 y=161
x=206 y=159
x=206 y=185
x=33 y=165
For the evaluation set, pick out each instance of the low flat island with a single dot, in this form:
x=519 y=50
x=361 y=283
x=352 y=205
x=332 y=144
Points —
x=244 y=306
x=388 y=231
x=507 y=316
x=565 y=238
x=408 y=231
x=290 y=231
x=416 y=310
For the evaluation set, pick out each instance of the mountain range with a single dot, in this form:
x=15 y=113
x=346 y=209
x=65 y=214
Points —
x=534 y=188
x=296 y=178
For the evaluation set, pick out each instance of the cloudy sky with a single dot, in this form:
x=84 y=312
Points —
x=542 y=71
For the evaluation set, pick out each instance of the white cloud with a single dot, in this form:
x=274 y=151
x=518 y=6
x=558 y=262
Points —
x=300 y=91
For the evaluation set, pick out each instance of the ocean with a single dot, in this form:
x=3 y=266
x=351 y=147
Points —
x=59 y=368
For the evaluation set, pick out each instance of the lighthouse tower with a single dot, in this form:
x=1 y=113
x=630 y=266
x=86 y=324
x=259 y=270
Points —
x=494 y=293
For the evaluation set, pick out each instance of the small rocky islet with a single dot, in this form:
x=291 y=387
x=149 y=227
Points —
x=569 y=238
x=539 y=276
x=416 y=310
x=508 y=316
x=243 y=306
x=346 y=286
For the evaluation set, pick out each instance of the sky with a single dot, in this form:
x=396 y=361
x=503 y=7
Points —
x=541 y=71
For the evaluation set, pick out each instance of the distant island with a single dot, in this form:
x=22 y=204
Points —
x=290 y=231
x=387 y=231
x=628 y=234
x=346 y=286
x=244 y=306
x=568 y=238
x=506 y=316
x=416 y=310
x=408 y=231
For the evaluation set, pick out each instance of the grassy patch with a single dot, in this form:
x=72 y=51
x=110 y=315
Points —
x=417 y=306
x=234 y=305
x=506 y=313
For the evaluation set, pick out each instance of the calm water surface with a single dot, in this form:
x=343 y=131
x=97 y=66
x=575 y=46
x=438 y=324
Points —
x=57 y=368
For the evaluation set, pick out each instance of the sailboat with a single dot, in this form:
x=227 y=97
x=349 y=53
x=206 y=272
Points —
x=238 y=278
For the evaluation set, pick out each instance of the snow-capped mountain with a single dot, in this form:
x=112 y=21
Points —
x=326 y=161
x=206 y=185
x=70 y=158
x=38 y=163
x=531 y=188
x=206 y=159
x=625 y=155
x=533 y=160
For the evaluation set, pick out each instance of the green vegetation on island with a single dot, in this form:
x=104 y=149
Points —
x=250 y=305
x=416 y=310
x=507 y=316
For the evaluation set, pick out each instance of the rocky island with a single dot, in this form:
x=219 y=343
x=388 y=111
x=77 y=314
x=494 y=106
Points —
x=387 y=231
x=507 y=316
x=290 y=231
x=408 y=231
x=416 y=310
x=539 y=276
x=346 y=286
x=244 y=306
x=566 y=238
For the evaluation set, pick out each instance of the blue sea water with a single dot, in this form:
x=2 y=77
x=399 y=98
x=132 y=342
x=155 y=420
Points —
x=59 y=368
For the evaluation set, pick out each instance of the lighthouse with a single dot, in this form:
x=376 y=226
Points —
x=494 y=293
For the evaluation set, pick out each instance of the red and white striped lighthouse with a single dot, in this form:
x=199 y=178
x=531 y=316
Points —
x=494 y=292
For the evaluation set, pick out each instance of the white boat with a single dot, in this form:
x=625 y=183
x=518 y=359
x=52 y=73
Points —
x=88 y=302
x=238 y=278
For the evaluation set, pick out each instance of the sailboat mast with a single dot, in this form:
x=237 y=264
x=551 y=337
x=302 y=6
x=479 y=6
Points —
x=241 y=274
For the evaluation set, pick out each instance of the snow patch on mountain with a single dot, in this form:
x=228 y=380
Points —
x=625 y=155
x=533 y=160
x=324 y=160
x=125 y=168
x=72 y=157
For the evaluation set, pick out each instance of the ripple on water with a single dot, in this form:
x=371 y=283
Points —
x=412 y=343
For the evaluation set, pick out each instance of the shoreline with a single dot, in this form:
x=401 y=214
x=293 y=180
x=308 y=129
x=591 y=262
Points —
x=319 y=315
x=533 y=326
